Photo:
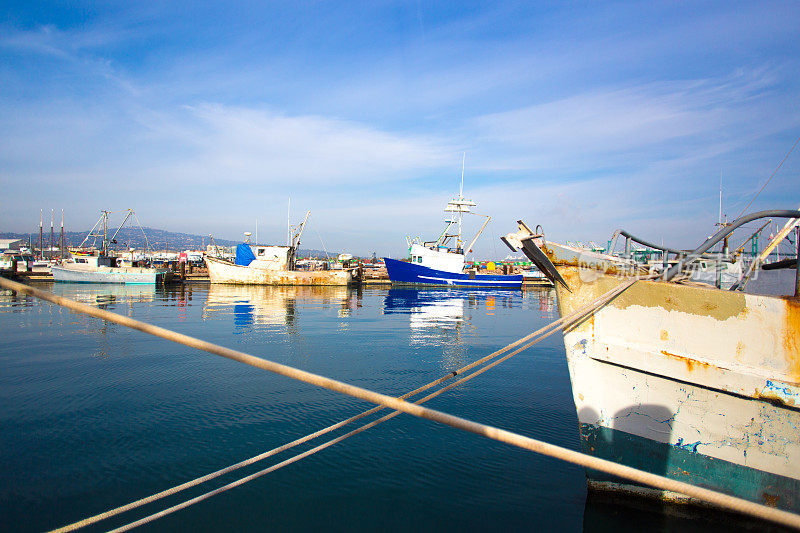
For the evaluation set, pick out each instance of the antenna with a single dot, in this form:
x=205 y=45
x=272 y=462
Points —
x=461 y=189
x=719 y=219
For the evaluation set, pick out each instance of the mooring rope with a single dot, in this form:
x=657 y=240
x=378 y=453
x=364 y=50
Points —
x=529 y=339
x=587 y=461
x=320 y=447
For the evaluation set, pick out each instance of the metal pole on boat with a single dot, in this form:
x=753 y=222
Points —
x=797 y=264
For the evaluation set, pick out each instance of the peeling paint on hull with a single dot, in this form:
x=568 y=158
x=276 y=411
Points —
x=224 y=272
x=708 y=378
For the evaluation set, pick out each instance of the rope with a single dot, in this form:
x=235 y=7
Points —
x=770 y=178
x=542 y=333
x=606 y=297
x=660 y=482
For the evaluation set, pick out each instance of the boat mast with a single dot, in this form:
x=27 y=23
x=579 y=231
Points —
x=105 y=232
x=461 y=197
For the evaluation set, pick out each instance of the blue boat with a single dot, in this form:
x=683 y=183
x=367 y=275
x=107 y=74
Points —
x=441 y=262
x=402 y=272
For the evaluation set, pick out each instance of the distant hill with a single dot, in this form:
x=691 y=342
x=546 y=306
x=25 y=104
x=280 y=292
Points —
x=132 y=238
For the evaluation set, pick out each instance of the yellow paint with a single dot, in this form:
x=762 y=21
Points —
x=490 y=265
x=711 y=302
x=664 y=335
x=791 y=342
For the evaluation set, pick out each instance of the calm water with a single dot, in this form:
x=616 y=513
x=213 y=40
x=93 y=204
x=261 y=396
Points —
x=93 y=415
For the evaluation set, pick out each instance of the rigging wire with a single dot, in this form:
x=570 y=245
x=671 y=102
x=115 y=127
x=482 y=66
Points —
x=770 y=178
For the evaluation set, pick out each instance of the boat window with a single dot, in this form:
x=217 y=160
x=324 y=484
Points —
x=419 y=259
x=80 y=260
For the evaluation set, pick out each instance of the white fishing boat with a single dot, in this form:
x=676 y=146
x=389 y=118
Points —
x=272 y=265
x=100 y=266
x=681 y=379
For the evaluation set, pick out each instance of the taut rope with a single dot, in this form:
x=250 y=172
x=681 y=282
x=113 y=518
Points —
x=587 y=461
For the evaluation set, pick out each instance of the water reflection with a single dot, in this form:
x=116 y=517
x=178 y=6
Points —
x=270 y=306
x=105 y=294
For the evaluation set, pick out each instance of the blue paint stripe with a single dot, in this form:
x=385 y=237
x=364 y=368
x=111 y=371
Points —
x=684 y=464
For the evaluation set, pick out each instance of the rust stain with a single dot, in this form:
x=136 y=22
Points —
x=691 y=364
x=608 y=267
x=774 y=399
x=791 y=342
x=664 y=335
x=770 y=499
x=739 y=348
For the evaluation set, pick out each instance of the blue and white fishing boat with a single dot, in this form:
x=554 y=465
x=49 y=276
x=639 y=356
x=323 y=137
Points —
x=441 y=262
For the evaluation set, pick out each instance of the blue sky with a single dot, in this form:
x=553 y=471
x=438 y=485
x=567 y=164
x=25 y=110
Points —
x=583 y=117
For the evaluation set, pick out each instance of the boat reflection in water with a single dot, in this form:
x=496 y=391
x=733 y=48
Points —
x=267 y=306
x=104 y=294
x=444 y=317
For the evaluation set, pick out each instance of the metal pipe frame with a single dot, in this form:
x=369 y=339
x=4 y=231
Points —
x=724 y=232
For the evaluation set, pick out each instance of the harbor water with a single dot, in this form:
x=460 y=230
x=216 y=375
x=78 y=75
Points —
x=94 y=415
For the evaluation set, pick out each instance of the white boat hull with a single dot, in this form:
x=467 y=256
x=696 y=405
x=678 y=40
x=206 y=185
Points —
x=109 y=275
x=697 y=384
x=224 y=272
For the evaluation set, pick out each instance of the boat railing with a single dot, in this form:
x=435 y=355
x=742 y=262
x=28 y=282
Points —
x=726 y=231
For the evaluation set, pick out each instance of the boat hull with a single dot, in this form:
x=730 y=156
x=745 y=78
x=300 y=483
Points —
x=401 y=272
x=139 y=276
x=695 y=384
x=224 y=272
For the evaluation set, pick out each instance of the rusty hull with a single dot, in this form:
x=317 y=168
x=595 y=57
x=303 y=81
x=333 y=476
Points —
x=701 y=369
x=224 y=272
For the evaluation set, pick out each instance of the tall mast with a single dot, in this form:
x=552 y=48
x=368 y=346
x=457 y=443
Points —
x=289 y=223
x=51 y=233
x=41 y=236
x=62 y=234
x=461 y=189
x=105 y=232
x=459 y=206
x=461 y=197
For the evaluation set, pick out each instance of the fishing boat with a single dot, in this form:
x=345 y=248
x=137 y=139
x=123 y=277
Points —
x=679 y=378
x=272 y=265
x=100 y=266
x=441 y=262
